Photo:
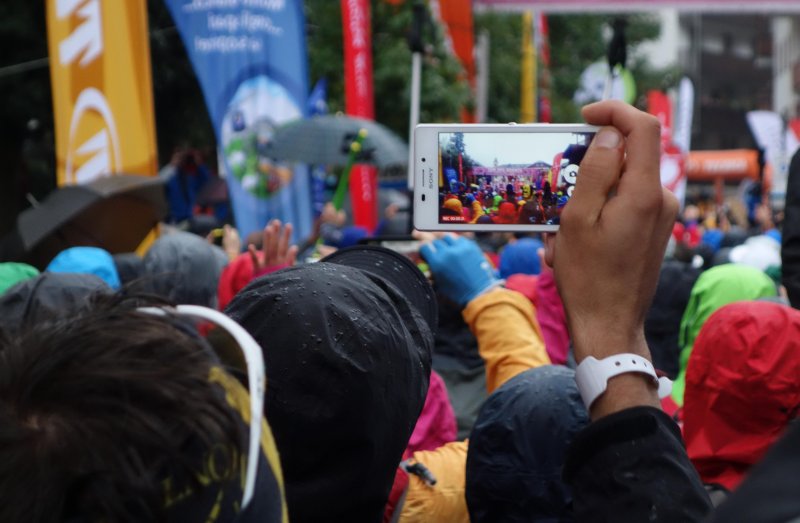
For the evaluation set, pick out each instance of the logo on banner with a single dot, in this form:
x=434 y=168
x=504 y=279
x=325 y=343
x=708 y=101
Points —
x=93 y=145
x=247 y=129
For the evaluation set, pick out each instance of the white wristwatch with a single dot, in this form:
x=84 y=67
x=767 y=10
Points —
x=592 y=375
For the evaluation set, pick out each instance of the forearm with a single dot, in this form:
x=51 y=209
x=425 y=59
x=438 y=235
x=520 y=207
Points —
x=509 y=338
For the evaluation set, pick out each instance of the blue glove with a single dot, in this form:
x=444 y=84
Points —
x=461 y=271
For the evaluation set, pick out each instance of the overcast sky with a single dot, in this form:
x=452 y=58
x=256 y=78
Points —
x=514 y=148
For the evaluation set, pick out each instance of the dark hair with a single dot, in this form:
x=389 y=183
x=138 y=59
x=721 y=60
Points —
x=97 y=413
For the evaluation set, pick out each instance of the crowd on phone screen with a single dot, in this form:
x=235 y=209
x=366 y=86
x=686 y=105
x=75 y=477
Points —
x=391 y=399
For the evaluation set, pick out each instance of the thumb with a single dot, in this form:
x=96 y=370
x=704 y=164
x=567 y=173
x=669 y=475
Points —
x=599 y=173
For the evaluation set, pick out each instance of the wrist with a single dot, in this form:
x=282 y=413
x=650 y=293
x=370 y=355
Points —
x=624 y=391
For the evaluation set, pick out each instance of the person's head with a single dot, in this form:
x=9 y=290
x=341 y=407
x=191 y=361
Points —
x=49 y=297
x=518 y=446
x=454 y=205
x=11 y=273
x=122 y=415
x=663 y=319
x=347 y=343
x=716 y=287
x=742 y=388
x=185 y=269
x=520 y=257
x=87 y=260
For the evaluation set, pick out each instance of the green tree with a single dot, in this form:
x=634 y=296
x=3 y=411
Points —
x=575 y=42
x=444 y=91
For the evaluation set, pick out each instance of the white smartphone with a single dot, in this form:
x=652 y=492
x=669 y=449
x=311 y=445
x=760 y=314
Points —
x=495 y=177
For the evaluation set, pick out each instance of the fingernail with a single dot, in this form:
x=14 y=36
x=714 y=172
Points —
x=607 y=139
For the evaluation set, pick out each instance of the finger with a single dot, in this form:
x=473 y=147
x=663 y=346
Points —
x=449 y=239
x=543 y=265
x=291 y=255
x=271 y=238
x=599 y=172
x=642 y=133
x=550 y=249
x=428 y=250
x=284 y=240
x=254 y=256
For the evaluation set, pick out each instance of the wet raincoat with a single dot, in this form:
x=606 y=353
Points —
x=47 y=297
x=348 y=363
x=714 y=288
x=769 y=492
x=185 y=269
x=632 y=466
x=518 y=445
x=742 y=388
x=87 y=260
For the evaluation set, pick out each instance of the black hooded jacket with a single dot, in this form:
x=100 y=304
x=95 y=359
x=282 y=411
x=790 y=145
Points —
x=518 y=446
x=50 y=296
x=348 y=364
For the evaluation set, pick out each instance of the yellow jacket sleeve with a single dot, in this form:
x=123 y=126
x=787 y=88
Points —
x=509 y=338
x=443 y=502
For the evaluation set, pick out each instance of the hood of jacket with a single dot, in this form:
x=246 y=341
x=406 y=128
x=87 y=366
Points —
x=518 y=446
x=185 y=269
x=742 y=388
x=714 y=288
x=50 y=296
x=520 y=257
x=87 y=260
x=348 y=362
x=11 y=273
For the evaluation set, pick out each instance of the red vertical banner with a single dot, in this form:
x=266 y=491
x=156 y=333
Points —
x=359 y=101
x=457 y=18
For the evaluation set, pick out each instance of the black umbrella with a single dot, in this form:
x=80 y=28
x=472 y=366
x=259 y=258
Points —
x=114 y=212
x=325 y=140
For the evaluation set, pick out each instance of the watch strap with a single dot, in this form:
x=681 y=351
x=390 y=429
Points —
x=592 y=375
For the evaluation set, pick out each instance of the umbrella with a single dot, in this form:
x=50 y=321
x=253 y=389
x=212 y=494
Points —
x=114 y=212
x=325 y=140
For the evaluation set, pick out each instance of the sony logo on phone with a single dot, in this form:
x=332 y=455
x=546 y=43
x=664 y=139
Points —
x=430 y=179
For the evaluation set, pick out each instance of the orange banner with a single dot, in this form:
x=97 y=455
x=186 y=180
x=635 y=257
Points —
x=734 y=165
x=102 y=88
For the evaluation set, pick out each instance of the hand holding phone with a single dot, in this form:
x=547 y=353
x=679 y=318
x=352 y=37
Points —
x=495 y=177
x=608 y=252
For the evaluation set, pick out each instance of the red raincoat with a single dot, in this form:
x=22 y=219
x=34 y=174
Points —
x=742 y=388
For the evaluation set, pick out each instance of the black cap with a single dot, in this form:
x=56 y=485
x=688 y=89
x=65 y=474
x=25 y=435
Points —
x=395 y=269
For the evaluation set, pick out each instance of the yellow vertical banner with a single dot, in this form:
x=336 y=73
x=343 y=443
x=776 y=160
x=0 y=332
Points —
x=528 y=71
x=102 y=88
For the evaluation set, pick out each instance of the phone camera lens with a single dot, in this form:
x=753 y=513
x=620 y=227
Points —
x=423 y=160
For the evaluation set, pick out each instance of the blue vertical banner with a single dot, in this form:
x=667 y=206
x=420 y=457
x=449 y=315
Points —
x=250 y=58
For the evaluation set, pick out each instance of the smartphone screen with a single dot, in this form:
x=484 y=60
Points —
x=512 y=178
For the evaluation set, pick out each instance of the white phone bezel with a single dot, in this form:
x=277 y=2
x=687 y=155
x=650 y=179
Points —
x=426 y=173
